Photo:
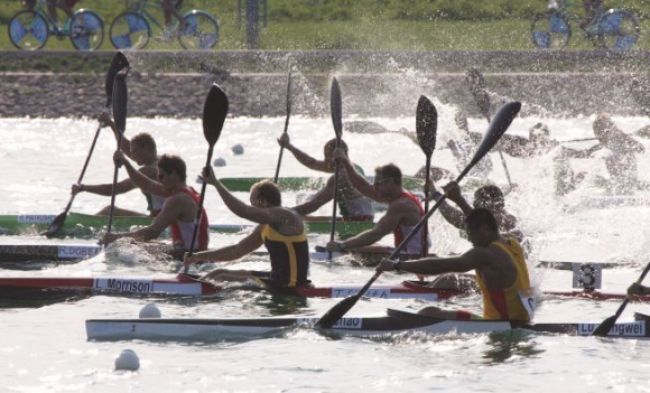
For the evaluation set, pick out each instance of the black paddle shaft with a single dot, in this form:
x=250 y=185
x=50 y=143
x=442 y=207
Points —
x=286 y=128
x=199 y=212
x=120 y=104
x=336 y=108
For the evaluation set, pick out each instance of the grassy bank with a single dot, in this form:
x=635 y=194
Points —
x=364 y=24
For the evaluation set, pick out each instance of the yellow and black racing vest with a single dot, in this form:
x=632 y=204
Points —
x=506 y=303
x=289 y=257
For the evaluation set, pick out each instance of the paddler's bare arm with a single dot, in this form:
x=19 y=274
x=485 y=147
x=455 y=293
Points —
x=473 y=259
x=358 y=181
x=105 y=119
x=384 y=226
x=140 y=180
x=230 y=253
x=452 y=191
x=104 y=189
x=304 y=158
x=452 y=215
x=243 y=210
x=322 y=197
x=172 y=209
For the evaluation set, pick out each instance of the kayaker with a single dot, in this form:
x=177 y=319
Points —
x=500 y=268
x=141 y=149
x=619 y=154
x=281 y=230
x=353 y=206
x=180 y=207
x=489 y=197
x=403 y=212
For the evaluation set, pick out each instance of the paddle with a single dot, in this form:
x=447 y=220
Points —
x=286 y=126
x=476 y=84
x=215 y=110
x=426 y=126
x=607 y=325
x=499 y=125
x=336 y=109
x=118 y=63
x=120 y=98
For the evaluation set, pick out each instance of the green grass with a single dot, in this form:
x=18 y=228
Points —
x=389 y=26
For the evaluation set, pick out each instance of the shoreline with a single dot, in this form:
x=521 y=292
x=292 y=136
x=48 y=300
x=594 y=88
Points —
x=174 y=84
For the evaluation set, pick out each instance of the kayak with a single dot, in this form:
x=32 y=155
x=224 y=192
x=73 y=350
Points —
x=17 y=253
x=244 y=184
x=86 y=225
x=396 y=322
x=48 y=289
x=52 y=289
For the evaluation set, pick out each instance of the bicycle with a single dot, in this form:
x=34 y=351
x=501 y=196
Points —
x=132 y=28
x=613 y=29
x=30 y=29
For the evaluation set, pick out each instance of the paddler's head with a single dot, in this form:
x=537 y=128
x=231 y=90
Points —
x=481 y=227
x=265 y=193
x=172 y=172
x=143 y=149
x=388 y=181
x=461 y=120
x=328 y=152
x=489 y=197
x=539 y=134
x=603 y=127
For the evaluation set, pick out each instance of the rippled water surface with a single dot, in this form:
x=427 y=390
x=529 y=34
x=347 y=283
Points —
x=45 y=349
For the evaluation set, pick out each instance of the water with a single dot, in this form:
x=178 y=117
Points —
x=45 y=350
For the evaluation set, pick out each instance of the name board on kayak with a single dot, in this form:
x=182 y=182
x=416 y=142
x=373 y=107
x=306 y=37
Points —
x=123 y=285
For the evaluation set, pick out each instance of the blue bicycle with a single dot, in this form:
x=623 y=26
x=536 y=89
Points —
x=30 y=29
x=132 y=28
x=614 y=29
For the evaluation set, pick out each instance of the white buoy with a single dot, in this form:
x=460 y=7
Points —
x=238 y=149
x=219 y=162
x=127 y=360
x=150 y=311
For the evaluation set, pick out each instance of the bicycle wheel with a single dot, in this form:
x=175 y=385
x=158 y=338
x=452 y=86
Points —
x=619 y=30
x=201 y=32
x=86 y=30
x=28 y=30
x=130 y=30
x=550 y=30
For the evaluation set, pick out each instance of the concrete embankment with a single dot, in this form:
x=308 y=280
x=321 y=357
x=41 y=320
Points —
x=54 y=84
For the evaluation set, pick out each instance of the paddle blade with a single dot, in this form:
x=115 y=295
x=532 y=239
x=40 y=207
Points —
x=120 y=99
x=426 y=125
x=118 y=63
x=476 y=84
x=337 y=312
x=56 y=224
x=499 y=125
x=215 y=111
x=336 y=108
x=605 y=326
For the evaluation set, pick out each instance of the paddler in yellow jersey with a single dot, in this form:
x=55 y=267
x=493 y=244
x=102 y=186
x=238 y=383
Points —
x=281 y=230
x=141 y=149
x=353 y=205
x=500 y=267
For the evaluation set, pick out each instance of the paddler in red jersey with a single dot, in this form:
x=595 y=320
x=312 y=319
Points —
x=281 y=230
x=403 y=212
x=141 y=149
x=500 y=266
x=179 y=210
